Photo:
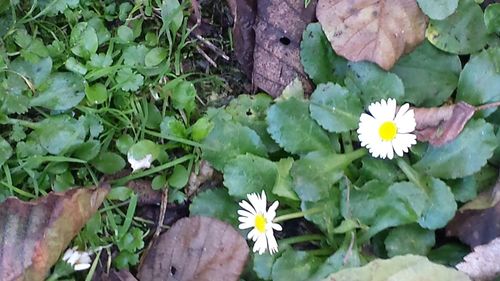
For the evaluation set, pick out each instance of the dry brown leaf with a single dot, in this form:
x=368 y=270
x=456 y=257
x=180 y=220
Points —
x=439 y=125
x=267 y=35
x=484 y=263
x=478 y=224
x=146 y=194
x=377 y=31
x=196 y=248
x=205 y=173
x=34 y=234
x=122 y=275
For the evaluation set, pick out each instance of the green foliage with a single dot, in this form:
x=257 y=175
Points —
x=295 y=266
x=438 y=9
x=492 y=18
x=463 y=32
x=215 y=203
x=409 y=239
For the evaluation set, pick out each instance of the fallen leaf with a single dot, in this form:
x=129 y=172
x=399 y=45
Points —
x=482 y=264
x=146 y=194
x=439 y=125
x=267 y=36
x=196 y=248
x=401 y=268
x=478 y=224
x=205 y=173
x=34 y=234
x=122 y=275
x=379 y=32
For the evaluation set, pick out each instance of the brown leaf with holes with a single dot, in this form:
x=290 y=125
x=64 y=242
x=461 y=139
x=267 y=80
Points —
x=482 y=264
x=478 y=223
x=377 y=31
x=267 y=35
x=439 y=125
x=34 y=234
x=196 y=248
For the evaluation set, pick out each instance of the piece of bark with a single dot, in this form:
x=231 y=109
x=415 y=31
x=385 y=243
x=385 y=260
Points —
x=484 y=263
x=196 y=248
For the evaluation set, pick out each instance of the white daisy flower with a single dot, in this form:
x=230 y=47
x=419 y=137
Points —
x=255 y=215
x=385 y=131
x=79 y=260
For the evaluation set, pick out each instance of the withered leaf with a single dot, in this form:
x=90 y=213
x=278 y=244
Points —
x=376 y=31
x=482 y=264
x=439 y=125
x=196 y=248
x=34 y=234
x=478 y=226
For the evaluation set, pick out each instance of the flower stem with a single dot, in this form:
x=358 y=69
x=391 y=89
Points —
x=487 y=106
x=347 y=142
x=410 y=173
x=298 y=214
x=300 y=239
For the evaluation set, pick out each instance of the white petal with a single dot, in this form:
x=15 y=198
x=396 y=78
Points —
x=276 y=226
x=67 y=254
x=82 y=266
x=260 y=245
x=256 y=203
x=137 y=164
x=406 y=122
x=271 y=213
x=245 y=225
x=245 y=205
x=253 y=234
x=271 y=241
x=245 y=214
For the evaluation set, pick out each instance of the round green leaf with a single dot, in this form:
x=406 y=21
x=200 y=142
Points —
x=318 y=58
x=87 y=150
x=159 y=182
x=155 y=56
x=5 y=151
x=464 y=189
x=201 y=128
x=334 y=108
x=295 y=266
x=58 y=134
x=480 y=80
x=291 y=126
x=120 y=193
x=64 y=91
x=438 y=9
x=248 y=173
x=75 y=66
x=123 y=143
x=429 y=75
x=373 y=82
x=441 y=206
x=37 y=72
x=409 y=239
x=468 y=152
x=96 y=93
x=84 y=40
x=215 y=203
x=183 y=96
x=125 y=33
x=179 y=177
x=463 y=32
x=171 y=126
x=492 y=18
x=108 y=163
x=229 y=139
x=171 y=15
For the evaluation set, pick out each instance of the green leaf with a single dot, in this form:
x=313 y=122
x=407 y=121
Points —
x=334 y=108
x=318 y=58
x=123 y=143
x=328 y=217
x=382 y=170
x=229 y=139
x=171 y=15
x=314 y=174
x=58 y=134
x=87 y=150
x=135 y=55
x=183 y=96
x=373 y=82
x=401 y=268
x=283 y=186
x=251 y=111
x=125 y=33
x=155 y=56
x=75 y=66
x=440 y=207
x=263 y=265
x=215 y=203
x=37 y=72
x=179 y=177
x=438 y=9
x=461 y=33
x=492 y=18
x=129 y=80
x=464 y=189
x=295 y=266
x=428 y=66
x=468 y=152
x=201 y=128
x=120 y=193
x=449 y=254
x=5 y=151
x=83 y=40
x=97 y=93
x=170 y=126
x=291 y=126
x=409 y=239
x=142 y=150
x=64 y=91
x=381 y=205
x=249 y=174
x=108 y=163
x=480 y=80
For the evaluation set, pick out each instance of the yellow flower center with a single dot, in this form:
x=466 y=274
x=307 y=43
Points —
x=388 y=131
x=260 y=223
